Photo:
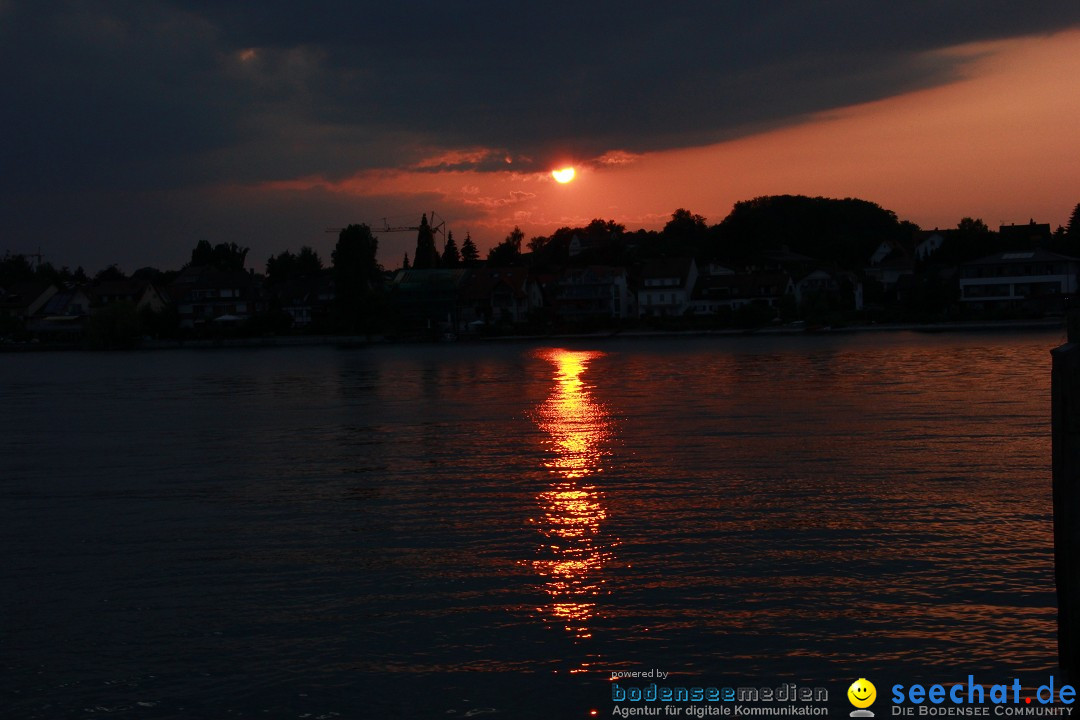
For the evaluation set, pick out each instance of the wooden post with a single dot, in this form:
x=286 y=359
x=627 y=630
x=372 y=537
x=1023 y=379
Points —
x=1065 y=418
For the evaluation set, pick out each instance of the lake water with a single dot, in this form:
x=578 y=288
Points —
x=492 y=529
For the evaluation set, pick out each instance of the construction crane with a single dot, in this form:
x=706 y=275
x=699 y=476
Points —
x=436 y=223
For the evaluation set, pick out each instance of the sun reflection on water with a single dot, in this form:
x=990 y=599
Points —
x=572 y=509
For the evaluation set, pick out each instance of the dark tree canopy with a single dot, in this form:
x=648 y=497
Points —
x=971 y=239
x=149 y=274
x=110 y=274
x=451 y=258
x=508 y=252
x=14 y=269
x=18 y=268
x=426 y=256
x=470 y=256
x=203 y=254
x=224 y=256
x=308 y=261
x=685 y=225
x=357 y=275
x=1066 y=239
x=1072 y=230
x=286 y=266
x=974 y=227
x=356 y=270
x=846 y=231
x=601 y=242
x=599 y=229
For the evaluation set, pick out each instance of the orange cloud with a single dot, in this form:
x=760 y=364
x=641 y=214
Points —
x=515 y=197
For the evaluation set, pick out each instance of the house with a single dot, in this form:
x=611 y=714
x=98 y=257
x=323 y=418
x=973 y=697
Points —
x=23 y=300
x=840 y=287
x=428 y=298
x=715 y=269
x=716 y=292
x=890 y=268
x=499 y=295
x=143 y=294
x=1030 y=236
x=928 y=243
x=786 y=260
x=308 y=300
x=883 y=250
x=666 y=287
x=1035 y=277
x=64 y=315
x=578 y=245
x=205 y=294
x=818 y=282
x=595 y=291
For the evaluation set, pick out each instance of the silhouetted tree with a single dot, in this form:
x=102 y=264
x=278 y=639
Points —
x=846 y=231
x=508 y=252
x=1072 y=230
x=426 y=255
x=203 y=254
x=230 y=256
x=146 y=273
x=405 y=262
x=972 y=240
x=224 y=256
x=685 y=225
x=451 y=258
x=308 y=261
x=109 y=274
x=470 y=256
x=15 y=268
x=973 y=226
x=356 y=277
x=285 y=266
x=280 y=268
x=685 y=234
x=1066 y=240
x=537 y=243
x=47 y=272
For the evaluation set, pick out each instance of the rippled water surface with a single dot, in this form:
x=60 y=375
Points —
x=473 y=530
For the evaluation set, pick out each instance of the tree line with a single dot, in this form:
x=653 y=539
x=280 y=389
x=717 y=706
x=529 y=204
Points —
x=841 y=231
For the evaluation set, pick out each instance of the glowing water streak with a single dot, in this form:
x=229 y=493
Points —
x=572 y=508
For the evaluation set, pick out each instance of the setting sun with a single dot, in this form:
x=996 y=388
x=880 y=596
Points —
x=564 y=175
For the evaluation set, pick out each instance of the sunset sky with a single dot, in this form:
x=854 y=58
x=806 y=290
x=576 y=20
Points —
x=134 y=129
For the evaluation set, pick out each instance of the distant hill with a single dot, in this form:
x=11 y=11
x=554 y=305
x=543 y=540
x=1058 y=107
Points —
x=846 y=231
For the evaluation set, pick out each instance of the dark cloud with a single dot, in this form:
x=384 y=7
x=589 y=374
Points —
x=540 y=80
x=157 y=94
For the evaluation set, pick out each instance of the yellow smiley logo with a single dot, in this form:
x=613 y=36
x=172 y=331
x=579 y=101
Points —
x=862 y=693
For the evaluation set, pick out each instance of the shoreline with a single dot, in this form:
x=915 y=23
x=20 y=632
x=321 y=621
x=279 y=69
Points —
x=361 y=341
x=965 y=326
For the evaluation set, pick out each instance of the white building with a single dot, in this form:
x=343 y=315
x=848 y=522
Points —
x=1011 y=278
x=593 y=292
x=666 y=286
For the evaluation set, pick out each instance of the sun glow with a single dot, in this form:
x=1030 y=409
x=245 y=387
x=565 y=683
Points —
x=563 y=175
